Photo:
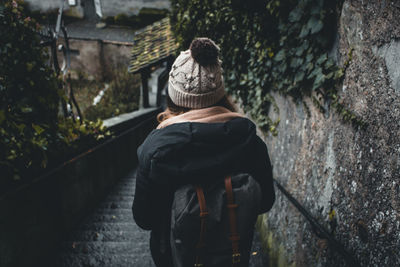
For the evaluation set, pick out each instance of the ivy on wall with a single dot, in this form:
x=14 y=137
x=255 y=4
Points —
x=276 y=45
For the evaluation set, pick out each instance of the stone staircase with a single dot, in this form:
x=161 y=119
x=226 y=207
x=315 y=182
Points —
x=109 y=236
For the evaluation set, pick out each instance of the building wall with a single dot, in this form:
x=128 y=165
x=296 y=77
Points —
x=52 y=5
x=46 y=5
x=130 y=7
x=348 y=178
x=109 y=7
x=99 y=59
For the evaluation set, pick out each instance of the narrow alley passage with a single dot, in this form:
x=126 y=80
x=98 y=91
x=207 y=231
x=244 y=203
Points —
x=109 y=236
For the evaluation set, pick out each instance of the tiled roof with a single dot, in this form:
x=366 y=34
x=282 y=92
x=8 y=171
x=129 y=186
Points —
x=154 y=43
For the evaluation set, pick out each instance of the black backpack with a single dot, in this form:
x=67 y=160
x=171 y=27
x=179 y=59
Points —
x=213 y=225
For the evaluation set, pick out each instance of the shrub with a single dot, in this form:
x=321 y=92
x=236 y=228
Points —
x=122 y=96
x=31 y=133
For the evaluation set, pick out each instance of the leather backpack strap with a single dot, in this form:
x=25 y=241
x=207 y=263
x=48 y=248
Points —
x=234 y=236
x=203 y=219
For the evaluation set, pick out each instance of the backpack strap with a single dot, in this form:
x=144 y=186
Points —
x=203 y=218
x=234 y=236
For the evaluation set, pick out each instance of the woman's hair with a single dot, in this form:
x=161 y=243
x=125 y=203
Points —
x=174 y=110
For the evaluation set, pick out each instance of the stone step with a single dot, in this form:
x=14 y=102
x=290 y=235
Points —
x=105 y=255
x=68 y=260
x=121 y=204
x=117 y=226
x=105 y=236
x=123 y=185
x=112 y=218
x=128 y=179
x=122 y=191
x=115 y=211
x=117 y=197
x=105 y=248
x=109 y=236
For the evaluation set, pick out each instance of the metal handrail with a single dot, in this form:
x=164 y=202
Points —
x=49 y=38
x=318 y=229
x=79 y=156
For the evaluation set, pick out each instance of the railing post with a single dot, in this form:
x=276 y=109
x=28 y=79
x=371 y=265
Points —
x=161 y=81
x=145 y=74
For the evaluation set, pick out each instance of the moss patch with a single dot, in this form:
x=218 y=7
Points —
x=276 y=252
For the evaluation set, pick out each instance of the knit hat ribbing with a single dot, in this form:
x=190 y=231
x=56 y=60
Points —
x=195 y=80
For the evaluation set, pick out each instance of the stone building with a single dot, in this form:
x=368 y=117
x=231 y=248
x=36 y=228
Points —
x=82 y=8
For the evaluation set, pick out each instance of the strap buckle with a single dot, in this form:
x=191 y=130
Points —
x=203 y=214
x=236 y=258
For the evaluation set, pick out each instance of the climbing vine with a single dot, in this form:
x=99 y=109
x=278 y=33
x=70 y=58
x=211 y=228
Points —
x=275 y=45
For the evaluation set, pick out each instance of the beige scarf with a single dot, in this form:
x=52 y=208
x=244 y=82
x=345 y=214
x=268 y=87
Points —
x=205 y=115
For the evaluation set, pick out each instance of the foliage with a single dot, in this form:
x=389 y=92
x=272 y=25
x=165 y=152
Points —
x=145 y=17
x=275 y=45
x=31 y=133
x=85 y=88
x=122 y=96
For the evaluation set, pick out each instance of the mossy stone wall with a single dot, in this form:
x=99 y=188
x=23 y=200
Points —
x=347 y=177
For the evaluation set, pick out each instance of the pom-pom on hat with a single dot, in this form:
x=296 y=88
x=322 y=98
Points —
x=195 y=80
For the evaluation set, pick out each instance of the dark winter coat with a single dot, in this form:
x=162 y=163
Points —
x=196 y=153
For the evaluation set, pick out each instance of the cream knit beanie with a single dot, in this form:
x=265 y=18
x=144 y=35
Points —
x=195 y=80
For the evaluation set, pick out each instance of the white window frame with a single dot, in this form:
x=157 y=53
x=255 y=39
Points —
x=72 y=2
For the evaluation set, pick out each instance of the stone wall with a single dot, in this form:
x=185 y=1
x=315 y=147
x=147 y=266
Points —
x=52 y=5
x=108 y=7
x=97 y=58
x=46 y=5
x=348 y=178
x=130 y=7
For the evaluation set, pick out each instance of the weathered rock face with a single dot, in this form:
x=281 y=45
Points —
x=348 y=178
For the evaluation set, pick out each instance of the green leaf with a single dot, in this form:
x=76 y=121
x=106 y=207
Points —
x=299 y=76
x=26 y=110
x=309 y=66
x=315 y=10
x=295 y=15
x=322 y=59
x=319 y=81
x=282 y=67
x=21 y=127
x=304 y=31
x=309 y=57
x=280 y=55
x=296 y=62
x=37 y=128
x=315 y=25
